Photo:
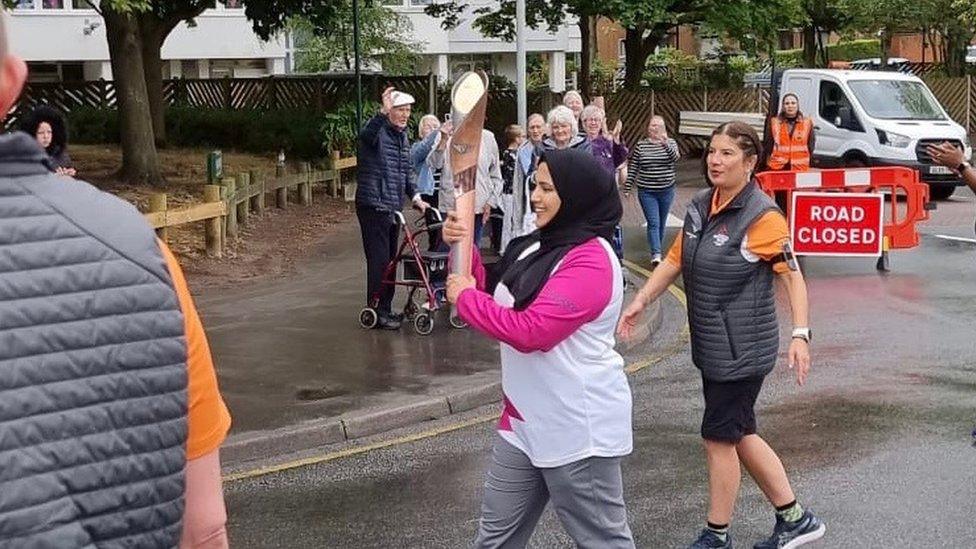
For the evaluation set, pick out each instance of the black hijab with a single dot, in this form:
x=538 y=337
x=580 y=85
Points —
x=590 y=207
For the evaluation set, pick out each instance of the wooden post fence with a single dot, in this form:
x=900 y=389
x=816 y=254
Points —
x=242 y=192
x=336 y=184
x=281 y=193
x=230 y=189
x=305 y=185
x=257 y=183
x=157 y=204
x=213 y=231
x=228 y=205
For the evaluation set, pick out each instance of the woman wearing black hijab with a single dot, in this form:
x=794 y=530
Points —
x=554 y=302
x=47 y=126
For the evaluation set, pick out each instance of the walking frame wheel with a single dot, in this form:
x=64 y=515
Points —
x=410 y=310
x=457 y=323
x=424 y=323
x=368 y=318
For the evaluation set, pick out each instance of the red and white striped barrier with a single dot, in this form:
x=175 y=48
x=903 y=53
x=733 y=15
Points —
x=899 y=230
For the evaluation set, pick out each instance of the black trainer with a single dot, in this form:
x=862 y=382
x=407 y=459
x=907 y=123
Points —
x=787 y=535
x=709 y=540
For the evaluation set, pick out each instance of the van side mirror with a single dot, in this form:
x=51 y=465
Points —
x=838 y=122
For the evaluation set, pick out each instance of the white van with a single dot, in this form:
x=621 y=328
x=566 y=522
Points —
x=868 y=118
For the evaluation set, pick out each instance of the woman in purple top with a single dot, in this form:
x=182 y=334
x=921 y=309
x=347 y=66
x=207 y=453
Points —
x=609 y=151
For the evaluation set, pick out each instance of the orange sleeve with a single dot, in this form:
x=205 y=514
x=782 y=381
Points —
x=674 y=254
x=209 y=419
x=766 y=237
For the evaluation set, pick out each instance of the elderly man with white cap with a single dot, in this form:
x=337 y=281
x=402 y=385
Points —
x=384 y=178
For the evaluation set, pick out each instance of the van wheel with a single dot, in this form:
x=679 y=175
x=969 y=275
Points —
x=941 y=192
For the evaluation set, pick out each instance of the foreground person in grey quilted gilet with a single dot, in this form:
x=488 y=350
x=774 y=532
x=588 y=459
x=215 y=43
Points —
x=102 y=437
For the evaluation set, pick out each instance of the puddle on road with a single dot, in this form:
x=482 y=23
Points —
x=321 y=393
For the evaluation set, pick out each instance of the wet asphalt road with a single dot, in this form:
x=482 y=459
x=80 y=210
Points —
x=878 y=442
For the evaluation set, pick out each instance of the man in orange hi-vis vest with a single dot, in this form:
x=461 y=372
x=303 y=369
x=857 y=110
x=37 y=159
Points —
x=790 y=139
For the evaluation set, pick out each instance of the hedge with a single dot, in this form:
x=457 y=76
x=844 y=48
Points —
x=298 y=132
x=842 y=51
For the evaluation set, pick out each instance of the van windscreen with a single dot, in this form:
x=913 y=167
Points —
x=896 y=100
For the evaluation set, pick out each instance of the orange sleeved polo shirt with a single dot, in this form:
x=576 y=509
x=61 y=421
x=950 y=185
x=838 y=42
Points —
x=764 y=238
x=209 y=421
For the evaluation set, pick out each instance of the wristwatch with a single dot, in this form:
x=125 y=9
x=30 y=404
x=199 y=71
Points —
x=962 y=167
x=803 y=333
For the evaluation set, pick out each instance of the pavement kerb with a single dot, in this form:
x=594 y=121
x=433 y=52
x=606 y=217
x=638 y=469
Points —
x=311 y=434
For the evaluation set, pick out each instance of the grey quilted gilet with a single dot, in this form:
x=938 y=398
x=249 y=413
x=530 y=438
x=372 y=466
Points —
x=93 y=376
x=731 y=304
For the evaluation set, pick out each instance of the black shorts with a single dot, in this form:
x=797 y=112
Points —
x=730 y=409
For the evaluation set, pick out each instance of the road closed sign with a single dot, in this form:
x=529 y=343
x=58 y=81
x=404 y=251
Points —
x=841 y=224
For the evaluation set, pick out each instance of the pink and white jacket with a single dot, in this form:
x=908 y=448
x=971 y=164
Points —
x=566 y=393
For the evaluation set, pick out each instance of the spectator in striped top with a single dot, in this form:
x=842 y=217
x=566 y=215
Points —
x=564 y=131
x=652 y=170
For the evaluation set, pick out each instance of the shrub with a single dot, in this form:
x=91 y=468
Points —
x=92 y=126
x=295 y=131
x=788 y=59
x=853 y=50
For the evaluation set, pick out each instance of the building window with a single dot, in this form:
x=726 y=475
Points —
x=56 y=72
x=234 y=4
x=238 y=68
x=24 y=5
x=52 y=4
x=461 y=64
x=621 y=49
x=421 y=2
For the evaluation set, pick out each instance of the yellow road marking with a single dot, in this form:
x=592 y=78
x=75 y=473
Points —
x=356 y=450
x=675 y=291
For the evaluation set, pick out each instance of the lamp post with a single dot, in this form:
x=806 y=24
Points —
x=359 y=75
x=521 y=98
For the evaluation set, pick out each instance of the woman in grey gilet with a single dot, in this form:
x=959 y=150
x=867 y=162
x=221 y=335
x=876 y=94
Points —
x=734 y=243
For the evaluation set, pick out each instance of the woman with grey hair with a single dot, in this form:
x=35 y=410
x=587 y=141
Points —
x=574 y=101
x=564 y=131
x=428 y=179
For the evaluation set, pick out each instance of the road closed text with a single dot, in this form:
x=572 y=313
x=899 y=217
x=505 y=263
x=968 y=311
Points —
x=837 y=223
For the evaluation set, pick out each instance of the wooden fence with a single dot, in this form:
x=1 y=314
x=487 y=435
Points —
x=229 y=205
x=636 y=108
x=320 y=93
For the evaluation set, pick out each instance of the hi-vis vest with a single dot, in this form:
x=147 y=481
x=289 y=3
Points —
x=790 y=149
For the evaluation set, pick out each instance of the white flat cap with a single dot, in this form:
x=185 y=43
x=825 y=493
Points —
x=400 y=99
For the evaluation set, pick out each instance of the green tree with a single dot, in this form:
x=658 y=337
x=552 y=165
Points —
x=136 y=31
x=385 y=40
x=949 y=20
x=823 y=17
x=498 y=21
x=648 y=22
